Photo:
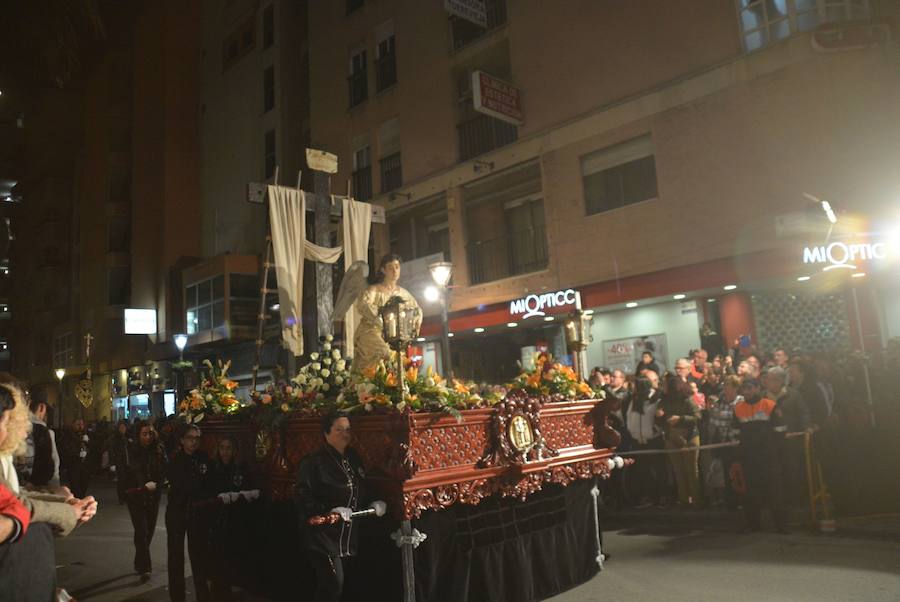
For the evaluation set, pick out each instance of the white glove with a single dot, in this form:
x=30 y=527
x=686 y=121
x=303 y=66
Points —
x=250 y=494
x=225 y=498
x=344 y=512
x=82 y=453
x=150 y=485
x=379 y=506
x=112 y=468
x=85 y=438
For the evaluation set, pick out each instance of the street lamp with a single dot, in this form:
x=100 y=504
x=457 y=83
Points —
x=60 y=375
x=181 y=342
x=441 y=271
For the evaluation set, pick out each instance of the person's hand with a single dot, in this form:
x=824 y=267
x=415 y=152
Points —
x=343 y=511
x=66 y=493
x=84 y=509
x=228 y=497
x=660 y=413
x=673 y=419
x=150 y=485
x=250 y=494
x=379 y=506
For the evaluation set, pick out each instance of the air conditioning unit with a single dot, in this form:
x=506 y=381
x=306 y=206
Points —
x=841 y=36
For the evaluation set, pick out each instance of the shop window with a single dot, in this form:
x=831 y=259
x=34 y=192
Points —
x=270 y=157
x=268 y=26
x=358 y=78
x=268 y=89
x=618 y=176
x=764 y=22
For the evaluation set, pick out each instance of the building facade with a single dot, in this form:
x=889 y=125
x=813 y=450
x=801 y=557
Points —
x=643 y=156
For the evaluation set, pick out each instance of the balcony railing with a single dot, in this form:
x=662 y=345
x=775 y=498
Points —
x=483 y=134
x=510 y=255
x=358 y=84
x=391 y=173
x=385 y=71
x=465 y=32
x=362 y=184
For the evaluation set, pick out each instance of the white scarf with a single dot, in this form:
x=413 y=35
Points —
x=8 y=473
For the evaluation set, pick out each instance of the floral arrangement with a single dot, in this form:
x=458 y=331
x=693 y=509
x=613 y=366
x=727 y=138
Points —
x=551 y=378
x=215 y=395
x=380 y=391
x=319 y=382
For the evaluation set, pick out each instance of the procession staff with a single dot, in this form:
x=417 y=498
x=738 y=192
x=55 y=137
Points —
x=142 y=477
x=332 y=479
x=188 y=474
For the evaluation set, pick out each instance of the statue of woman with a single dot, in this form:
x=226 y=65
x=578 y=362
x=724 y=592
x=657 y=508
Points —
x=369 y=346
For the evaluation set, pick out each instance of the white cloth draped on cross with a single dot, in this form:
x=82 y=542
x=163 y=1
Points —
x=287 y=211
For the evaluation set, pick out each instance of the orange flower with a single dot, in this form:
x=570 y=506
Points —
x=459 y=387
x=534 y=380
x=370 y=372
x=227 y=401
x=391 y=379
x=412 y=374
x=585 y=389
x=231 y=385
x=196 y=404
x=382 y=399
x=266 y=399
x=183 y=405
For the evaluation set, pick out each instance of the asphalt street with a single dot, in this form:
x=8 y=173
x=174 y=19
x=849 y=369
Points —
x=668 y=556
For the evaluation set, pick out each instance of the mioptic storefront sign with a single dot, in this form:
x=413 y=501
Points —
x=534 y=305
x=839 y=255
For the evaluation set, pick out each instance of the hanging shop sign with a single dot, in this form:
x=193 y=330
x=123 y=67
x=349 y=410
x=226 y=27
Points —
x=840 y=255
x=497 y=98
x=534 y=305
x=473 y=11
x=140 y=321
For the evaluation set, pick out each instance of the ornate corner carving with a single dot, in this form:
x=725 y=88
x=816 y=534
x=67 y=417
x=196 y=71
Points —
x=516 y=432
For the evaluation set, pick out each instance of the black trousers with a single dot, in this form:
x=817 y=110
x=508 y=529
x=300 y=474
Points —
x=78 y=477
x=329 y=576
x=765 y=487
x=650 y=473
x=177 y=527
x=28 y=567
x=143 y=508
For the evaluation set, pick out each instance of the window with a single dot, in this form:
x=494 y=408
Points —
x=118 y=281
x=618 y=176
x=239 y=43
x=479 y=133
x=244 y=298
x=463 y=32
x=270 y=158
x=421 y=231
x=268 y=89
x=505 y=224
x=64 y=350
x=205 y=304
x=119 y=234
x=268 y=26
x=764 y=22
x=353 y=5
x=385 y=57
x=362 y=170
x=358 y=79
x=389 y=164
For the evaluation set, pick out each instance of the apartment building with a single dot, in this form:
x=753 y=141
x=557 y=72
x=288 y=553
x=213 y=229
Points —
x=652 y=158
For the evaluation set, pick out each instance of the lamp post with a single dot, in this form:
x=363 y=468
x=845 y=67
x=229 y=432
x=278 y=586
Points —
x=60 y=375
x=180 y=342
x=441 y=272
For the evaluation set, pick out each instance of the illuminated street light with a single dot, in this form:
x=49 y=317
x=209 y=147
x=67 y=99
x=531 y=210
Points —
x=441 y=271
x=432 y=294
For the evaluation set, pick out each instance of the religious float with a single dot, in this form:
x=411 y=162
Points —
x=491 y=494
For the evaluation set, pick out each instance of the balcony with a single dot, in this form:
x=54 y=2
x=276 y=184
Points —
x=385 y=71
x=463 y=32
x=483 y=134
x=358 y=86
x=509 y=255
x=362 y=183
x=391 y=173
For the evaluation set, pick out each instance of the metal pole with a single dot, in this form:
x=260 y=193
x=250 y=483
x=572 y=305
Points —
x=406 y=556
x=446 y=364
x=862 y=348
x=61 y=417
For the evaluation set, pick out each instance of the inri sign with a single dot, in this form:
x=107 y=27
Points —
x=842 y=255
x=534 y=305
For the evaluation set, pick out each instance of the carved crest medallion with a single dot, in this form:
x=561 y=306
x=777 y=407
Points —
x=516 y=432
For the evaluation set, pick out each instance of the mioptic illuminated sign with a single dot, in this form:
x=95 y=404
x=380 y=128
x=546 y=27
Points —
x=839 y=255
x=534 y=305
x=140 y=321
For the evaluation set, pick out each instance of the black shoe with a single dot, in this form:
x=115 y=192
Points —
x=145 y=577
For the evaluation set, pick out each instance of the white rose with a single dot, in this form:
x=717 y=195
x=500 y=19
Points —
x=327 y=361
x=329 y=338
x=314 y=356
x=325 y=373
x=429 y=382
x=326 y=386
x=301 y=379
x=326 y=347
x=338 y=380
x=341 y=364
x=336 y=354
x=209 y=397
x=317 y=366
